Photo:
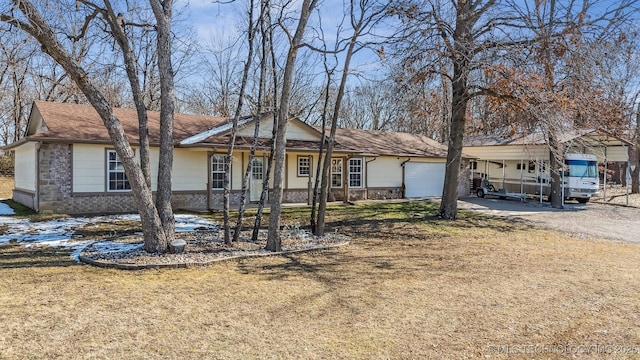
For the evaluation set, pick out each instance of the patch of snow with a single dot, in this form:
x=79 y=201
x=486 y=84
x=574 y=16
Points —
x=211 y=132
x=192 y=222
x=58 y=233
x=6 y=209
x=110 y=246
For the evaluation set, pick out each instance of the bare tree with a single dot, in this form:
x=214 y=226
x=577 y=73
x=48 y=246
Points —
x=456 y=40
x=251 y=32
x=295 y=43
x=363 y=15
x=564 y=59
x=31 y=21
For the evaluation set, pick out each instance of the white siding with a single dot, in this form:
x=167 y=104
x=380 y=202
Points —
x=508 y=152
x=154 y=155
x=510 y=172
x=25 y=166
x=190 y=170
x=540 y=152
x=293 y=180
x=295 y=130
x=384 y=172
x=613 y=153
x=238 y=166
x=89 y=172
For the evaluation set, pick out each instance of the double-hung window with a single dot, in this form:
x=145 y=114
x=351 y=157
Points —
x=304 y=166
x=217 y=172
x=355 y=172
x=336 y=173
x=116 y=177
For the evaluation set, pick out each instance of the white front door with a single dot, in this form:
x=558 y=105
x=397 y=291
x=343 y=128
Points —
x=257 y=175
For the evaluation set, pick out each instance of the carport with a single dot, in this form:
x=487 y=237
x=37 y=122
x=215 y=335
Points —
x=521 y=165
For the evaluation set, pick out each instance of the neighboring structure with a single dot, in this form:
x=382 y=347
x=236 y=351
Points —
x=522 y=164
x=66 y=163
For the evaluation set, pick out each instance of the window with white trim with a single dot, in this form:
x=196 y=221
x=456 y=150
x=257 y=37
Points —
x=217 y=172
x=257 y=169
x=304 y=166
x=355 y=172
x=336 y=173
x=116 y=177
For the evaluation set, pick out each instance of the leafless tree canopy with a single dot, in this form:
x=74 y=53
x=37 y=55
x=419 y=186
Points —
x=440 y=68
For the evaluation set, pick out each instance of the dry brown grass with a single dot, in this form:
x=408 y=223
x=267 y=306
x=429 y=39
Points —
x=6 y=187
x=404 y=288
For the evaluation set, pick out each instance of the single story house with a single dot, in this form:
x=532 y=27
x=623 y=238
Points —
x=520 y=164
x=66 y=162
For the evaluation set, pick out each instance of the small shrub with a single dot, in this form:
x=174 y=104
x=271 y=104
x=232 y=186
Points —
x=6 y=165
x=294 y=231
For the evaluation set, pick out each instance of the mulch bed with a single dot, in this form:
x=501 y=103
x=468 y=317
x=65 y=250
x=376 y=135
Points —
x=202 y=248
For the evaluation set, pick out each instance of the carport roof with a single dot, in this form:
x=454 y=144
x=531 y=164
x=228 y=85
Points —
x=587 y=136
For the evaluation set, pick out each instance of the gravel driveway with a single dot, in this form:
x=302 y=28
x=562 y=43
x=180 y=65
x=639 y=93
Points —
x=595 y=220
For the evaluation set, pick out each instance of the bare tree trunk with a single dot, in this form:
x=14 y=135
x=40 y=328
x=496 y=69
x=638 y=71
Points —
x=131 y=66
x=449 y=203
x=359 y=23
x=556 y=159
x=154 y=236
x=322 y=207
x=320 y=173
x=634 y=157
x=162 y=11
x=273 y=240
x=462 y=38
x=265 y=182
x=267 y=43
x=245 y=179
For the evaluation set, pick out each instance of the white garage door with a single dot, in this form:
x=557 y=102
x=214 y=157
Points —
x=423 y=179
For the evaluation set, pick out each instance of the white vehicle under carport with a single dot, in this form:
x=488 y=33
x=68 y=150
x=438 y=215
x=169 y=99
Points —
x=580 y=178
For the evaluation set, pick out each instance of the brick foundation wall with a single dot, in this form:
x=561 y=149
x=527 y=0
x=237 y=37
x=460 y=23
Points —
x=385 y=193
x=109 y=203
x=54 y=178
x=217 y=198
x=295 y=196
x=26 y=198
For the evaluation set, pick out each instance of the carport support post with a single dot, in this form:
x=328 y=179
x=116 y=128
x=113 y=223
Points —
x=540 y=163
x=563 y=183
x=503 y=174
x=604 y=181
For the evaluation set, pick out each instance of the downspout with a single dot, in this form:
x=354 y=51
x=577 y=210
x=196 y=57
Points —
x=604 y=182
x=36 y=196
x=209 y=181
x=403 y=188
x=366 y=176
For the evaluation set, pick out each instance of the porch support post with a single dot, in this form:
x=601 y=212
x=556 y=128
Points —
x=345 y=179
x=521 y=177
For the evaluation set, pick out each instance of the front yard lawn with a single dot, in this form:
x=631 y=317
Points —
x=408 y=286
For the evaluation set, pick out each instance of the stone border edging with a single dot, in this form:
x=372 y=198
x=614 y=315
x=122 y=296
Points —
x=119 y=266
